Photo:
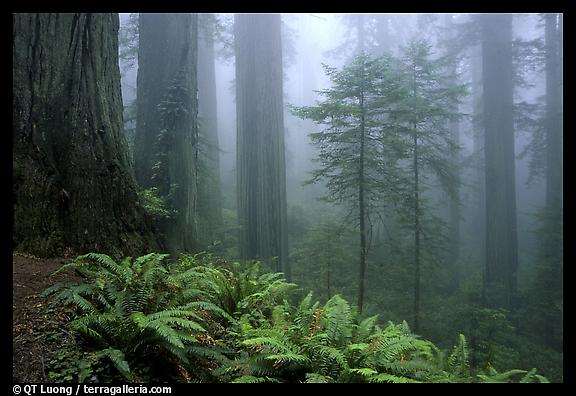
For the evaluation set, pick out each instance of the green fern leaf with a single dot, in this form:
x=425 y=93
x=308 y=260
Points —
x=118 y=359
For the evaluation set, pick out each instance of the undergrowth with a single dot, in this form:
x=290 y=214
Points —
x=202 y=319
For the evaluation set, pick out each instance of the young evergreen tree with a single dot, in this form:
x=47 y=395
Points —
x=73 y=186
x=261 y=169
x=355 y=148
x=424 y=119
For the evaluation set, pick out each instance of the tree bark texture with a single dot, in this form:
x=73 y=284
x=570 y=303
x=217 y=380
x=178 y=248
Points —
x=73 y=185
x=166 y=141
x=260 y=140
x=501 y=227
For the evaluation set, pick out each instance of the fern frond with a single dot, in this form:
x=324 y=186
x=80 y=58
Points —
x=289 y=357
x=118 y=359
x=209 y=307
x=364 y=371
x=315 y=378
x=250 y=379
x=458 y=359
x=273 y=343
x=105 y=261
x=366 y=328
x=496 y=377
x=383 y=377
x=337 y=320
x=330 y=359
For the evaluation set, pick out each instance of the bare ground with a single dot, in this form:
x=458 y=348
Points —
x=32 y=319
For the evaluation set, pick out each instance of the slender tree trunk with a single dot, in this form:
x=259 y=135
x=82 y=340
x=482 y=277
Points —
x=260 y=140
x=209 y=194
x=501 y=228
x=416 y=231
x=554 y=158
x=73 y=185
x=415 y=159
x=552 y=240
x=166 y=142
x=479 y=220
x=454 y=199
x=361 y=202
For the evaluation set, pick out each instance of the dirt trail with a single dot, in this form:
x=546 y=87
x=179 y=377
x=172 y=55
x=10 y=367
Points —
x=30 y=318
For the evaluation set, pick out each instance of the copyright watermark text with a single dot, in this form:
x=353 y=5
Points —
x=83 y=389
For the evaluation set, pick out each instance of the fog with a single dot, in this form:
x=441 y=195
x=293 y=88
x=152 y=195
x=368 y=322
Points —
x=322 y=234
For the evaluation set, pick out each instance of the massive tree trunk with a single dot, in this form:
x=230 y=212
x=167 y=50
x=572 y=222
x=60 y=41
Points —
x=209 y=194
x=73 y=186
x=166 y=142
x=260 y=140
x=501 y=228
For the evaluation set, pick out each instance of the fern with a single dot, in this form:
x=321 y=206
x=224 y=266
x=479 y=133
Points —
x=249 y=379
x=233 y=323
x=315 y=378
x=138 y=306
x=118 y=359
x=458 y=360
x=492 y=375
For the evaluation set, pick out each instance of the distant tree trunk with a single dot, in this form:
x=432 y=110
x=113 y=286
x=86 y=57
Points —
x=501 y=228
x=416 y=229
x=554 y=115
x=209 y=194
x=454 y=199
x=362 y=202
x=552 y=240
x=73 y=186
x=260 y=140
x=479 y=219
x=166 y=142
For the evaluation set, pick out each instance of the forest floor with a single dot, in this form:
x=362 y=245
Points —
x=36 y=328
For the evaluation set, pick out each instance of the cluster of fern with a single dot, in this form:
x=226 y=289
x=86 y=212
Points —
x=143 y=311
x=202 y=319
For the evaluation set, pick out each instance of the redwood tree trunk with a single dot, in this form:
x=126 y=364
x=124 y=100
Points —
x=166 y=141
x=260 y=140
x=501 y=228
x=551 y=278
x=73 y=187
x=209 y=194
